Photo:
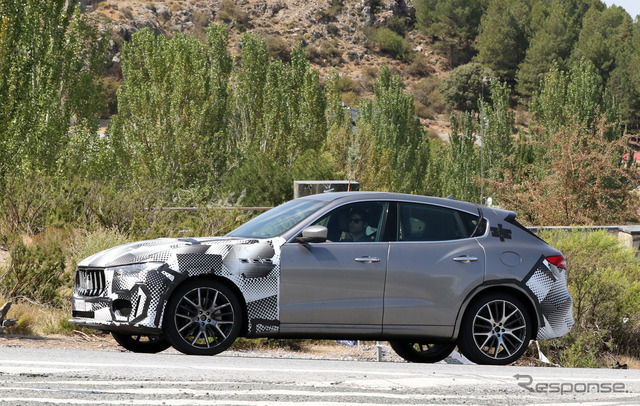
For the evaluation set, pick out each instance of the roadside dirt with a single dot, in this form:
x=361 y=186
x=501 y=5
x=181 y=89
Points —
x=104 y=342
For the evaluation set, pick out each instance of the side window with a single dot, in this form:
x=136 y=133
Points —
x=423 y=222
x=356 y=222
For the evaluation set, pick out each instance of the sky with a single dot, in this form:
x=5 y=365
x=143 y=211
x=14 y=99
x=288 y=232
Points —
x=632 y=6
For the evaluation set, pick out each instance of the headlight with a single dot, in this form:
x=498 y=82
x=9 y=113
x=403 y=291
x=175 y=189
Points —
x=135 y=268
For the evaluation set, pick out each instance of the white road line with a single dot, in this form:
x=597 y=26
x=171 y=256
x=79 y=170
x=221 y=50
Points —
x=203 y=367
x=188 y=402
x=231 y=393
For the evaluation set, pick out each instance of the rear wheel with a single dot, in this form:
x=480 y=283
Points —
x=495 y=330
x=423 y=352
x=203 y=317
x=148 y=344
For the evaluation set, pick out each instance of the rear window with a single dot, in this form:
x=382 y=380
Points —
x=423 y=222
x=511 y=219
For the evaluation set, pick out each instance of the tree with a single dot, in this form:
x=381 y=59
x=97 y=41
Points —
x=462 y=168
x=172 y=123
x=393 y=148
x=289 y=126
x=455 y=22
x=550 y=46
x=464 y=86
x=50 y=61
x=249 y=84
x=498 y=132
x=607 y=41
x=502 y=40
x=576 y=95
x=571 y=169
x=587 y=182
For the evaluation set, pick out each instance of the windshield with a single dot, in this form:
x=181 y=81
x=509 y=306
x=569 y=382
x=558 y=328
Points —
x=277 y=220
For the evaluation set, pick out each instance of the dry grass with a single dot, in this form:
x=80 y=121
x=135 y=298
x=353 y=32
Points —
x=36 y=319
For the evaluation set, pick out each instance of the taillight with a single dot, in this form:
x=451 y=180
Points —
x=558 y=261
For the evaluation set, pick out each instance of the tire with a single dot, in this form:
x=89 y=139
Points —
x=203 y=317
x=496 y=330
x=422 y=352
x=141 y=343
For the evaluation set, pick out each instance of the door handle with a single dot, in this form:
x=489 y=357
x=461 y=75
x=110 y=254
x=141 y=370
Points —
x=466 y=259
x=367 y=259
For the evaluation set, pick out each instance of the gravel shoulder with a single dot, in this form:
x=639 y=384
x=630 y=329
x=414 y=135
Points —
x=103 y=342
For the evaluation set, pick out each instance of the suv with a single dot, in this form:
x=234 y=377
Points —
x=424 y=273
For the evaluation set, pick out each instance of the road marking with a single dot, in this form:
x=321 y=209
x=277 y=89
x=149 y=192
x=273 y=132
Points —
x=188 y=402
x=94 y=365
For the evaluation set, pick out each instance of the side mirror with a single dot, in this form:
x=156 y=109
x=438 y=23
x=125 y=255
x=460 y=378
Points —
x=313 y=234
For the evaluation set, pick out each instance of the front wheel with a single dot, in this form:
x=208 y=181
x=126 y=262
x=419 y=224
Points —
x=203 y=317
x=141 y=343
x=495 y=330
x=423 y=352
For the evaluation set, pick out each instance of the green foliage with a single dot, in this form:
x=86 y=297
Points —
x=390 y=42
x=604 y=281
x=454 y=22
x=421 y=66
x=499 y=127
x=24 y=325
x=86 y=243
x=167 y=130
x=606 y=40
x=36 y=272
x=575 y=179
x=574 y=96
x=502 y=41
x=62 y=326
x=465 y=85
x=550 y=46
x=50 y=58
x=462 y=169
x=393 y=148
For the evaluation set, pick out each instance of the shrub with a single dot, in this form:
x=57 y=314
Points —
x=229 y=12
x=604 y=281
x=463 y=87
x=35 y=272
x=369 y=75
x=399 y=25
x=390 y=42
x=85 y=243
x=426 y=93
x=420 y=66
x=324 y=52
x=278 y=48
x=347 y=84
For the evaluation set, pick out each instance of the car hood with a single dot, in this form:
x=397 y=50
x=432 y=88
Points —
x=160 y=250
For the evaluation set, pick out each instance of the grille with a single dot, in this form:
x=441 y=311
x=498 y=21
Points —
x=90 y=282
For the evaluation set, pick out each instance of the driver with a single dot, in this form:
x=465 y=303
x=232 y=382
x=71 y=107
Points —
x=358 y=223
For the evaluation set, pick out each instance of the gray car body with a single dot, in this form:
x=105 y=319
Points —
x=413 y=289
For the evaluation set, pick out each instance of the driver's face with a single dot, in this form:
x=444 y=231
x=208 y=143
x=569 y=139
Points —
x=356 y=224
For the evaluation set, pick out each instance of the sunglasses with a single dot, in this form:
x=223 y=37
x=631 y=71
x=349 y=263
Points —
x=355 y=221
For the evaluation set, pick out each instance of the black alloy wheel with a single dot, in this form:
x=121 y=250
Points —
x=496 y=330
x=423 y=352
x=203 y=317
x=148 y=344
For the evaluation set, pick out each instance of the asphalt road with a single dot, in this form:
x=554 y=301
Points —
x=45 y=376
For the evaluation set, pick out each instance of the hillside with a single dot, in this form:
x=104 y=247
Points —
x=333 y=32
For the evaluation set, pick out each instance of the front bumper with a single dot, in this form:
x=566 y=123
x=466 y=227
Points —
x=116 y=299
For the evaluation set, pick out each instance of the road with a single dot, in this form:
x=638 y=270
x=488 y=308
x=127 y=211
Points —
x=46 y=376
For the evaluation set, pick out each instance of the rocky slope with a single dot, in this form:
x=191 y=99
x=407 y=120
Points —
x=334 y=32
